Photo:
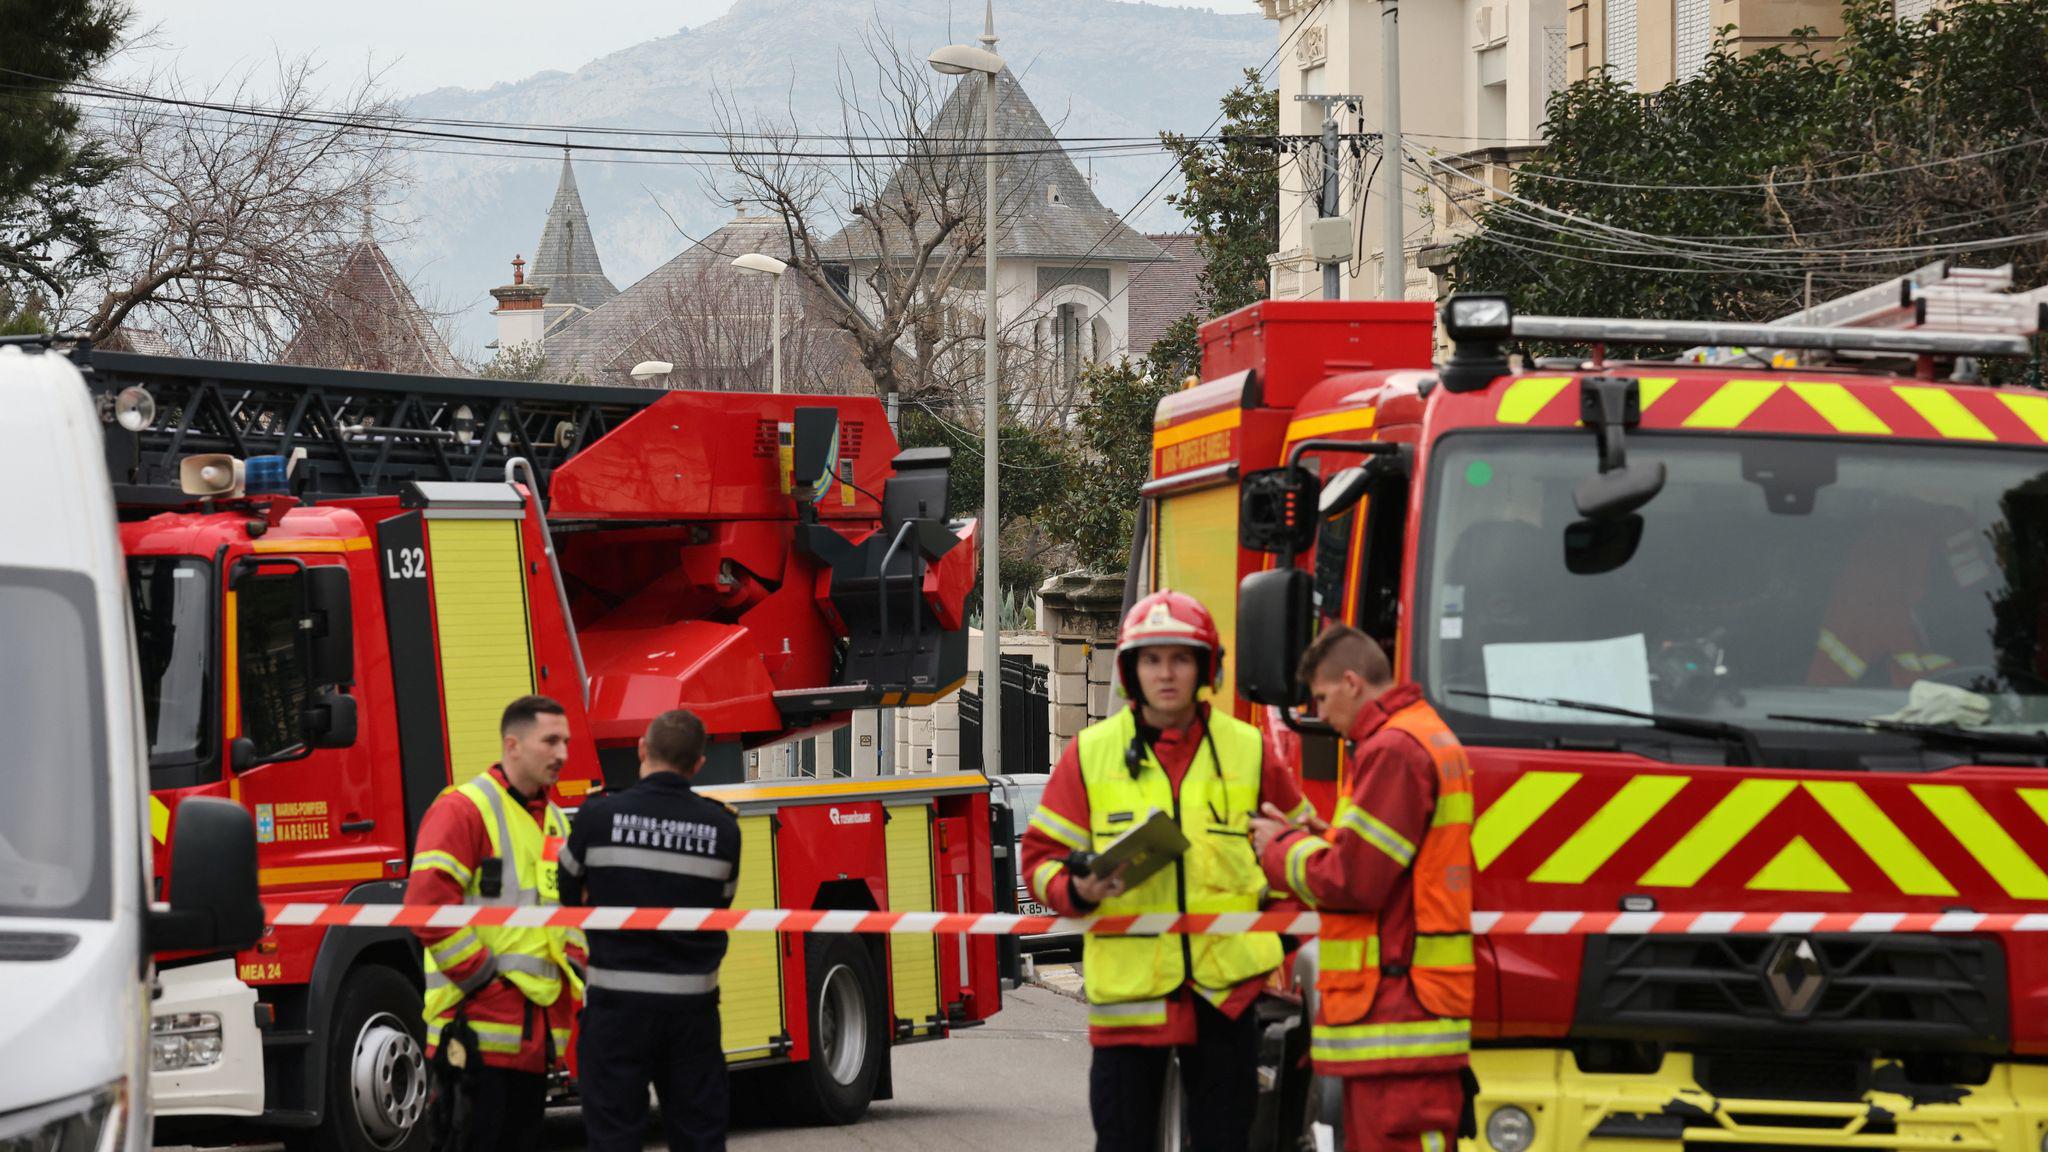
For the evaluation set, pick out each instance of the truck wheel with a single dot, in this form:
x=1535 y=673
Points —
x=376 y=1092
x=849 y=1035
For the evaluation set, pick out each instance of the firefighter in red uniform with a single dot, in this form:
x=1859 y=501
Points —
x=1392 y=877
x=500 y=1000
x=1151 y=995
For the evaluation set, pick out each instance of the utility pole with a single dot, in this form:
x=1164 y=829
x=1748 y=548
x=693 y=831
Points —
x=1331 y=285
x=1394 y=257
x=1329 y=235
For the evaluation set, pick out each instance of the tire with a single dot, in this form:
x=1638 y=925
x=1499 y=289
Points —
x=375 y=1098
x=848 y=1028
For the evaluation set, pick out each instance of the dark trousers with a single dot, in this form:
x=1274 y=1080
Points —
x=506 y=1110
x=622 y=1049
x=1219 y=1079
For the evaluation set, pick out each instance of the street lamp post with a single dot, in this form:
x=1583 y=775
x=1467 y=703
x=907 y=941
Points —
x=961 y=60
x=755 y=264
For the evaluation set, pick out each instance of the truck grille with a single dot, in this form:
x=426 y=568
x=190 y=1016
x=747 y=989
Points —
x=1873 y=993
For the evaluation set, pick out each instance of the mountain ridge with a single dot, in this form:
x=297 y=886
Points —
x=472 y=213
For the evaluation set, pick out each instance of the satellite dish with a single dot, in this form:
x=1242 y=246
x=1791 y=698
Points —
x=134 y=408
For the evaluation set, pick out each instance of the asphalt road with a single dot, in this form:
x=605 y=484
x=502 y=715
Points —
x=1019 y=1082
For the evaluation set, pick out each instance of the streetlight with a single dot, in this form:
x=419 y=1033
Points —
x=961 y=60
x=755 y=264
x=648 y=369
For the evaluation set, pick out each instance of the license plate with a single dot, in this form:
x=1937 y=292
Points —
x=1032 y=908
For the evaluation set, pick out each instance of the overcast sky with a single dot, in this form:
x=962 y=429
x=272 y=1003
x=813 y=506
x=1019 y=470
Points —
x=424 y=44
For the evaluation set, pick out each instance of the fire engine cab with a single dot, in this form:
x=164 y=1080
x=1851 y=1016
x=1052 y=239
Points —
x=1758 y=629
x=339 y=580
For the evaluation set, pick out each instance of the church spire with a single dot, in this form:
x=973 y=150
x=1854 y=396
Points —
x=565 y=262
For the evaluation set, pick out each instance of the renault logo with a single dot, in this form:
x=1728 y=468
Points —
x=1794 y=977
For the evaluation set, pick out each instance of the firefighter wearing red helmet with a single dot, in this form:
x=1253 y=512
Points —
x=1149 y=996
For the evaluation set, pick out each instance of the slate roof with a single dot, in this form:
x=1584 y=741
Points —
x=1163 y=291
x=370 y=320
x=565 y=261
x=1031 y=222
x=712 y=322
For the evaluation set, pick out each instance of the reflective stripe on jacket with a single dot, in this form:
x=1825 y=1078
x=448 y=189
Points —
x=533 y=960
x=1127 y=978
x=1357 y=1032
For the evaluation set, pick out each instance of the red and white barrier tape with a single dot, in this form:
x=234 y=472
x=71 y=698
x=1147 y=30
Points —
x=1217 y=924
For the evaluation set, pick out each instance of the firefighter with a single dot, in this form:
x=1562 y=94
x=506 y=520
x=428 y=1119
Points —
x=1151 y=996
x=652 y=1014
x=500 y=1000
x=1392 y=876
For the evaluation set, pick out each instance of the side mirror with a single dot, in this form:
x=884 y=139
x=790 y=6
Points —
x=1276 y=510
x=214 y=904
x=1275 y=612
x=242 y=754
x=331 y=720
x=1592 y=547
x=1613 y=495
x=1610 y=405
x=332 y=656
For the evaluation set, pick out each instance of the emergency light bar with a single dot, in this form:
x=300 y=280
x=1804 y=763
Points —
x=1689 y=333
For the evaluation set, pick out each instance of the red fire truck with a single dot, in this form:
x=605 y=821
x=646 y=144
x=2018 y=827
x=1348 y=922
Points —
x=338 y=581
x=1764 y=634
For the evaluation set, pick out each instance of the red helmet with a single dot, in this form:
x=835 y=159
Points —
x=1167 y=619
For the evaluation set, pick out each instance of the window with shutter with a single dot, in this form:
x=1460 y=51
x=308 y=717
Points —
x=1695 y=35
x=1621 y=41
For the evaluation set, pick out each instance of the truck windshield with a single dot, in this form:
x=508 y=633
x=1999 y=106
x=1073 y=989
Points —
x=1905 y=584
x=54 y=843
x=173 y=602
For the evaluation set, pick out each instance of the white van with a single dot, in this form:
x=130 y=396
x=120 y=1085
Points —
x=77 y=923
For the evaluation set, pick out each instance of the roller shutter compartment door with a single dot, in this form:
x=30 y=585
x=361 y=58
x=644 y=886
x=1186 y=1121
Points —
x=913 y=960
x=750 y=979
x=482 y=624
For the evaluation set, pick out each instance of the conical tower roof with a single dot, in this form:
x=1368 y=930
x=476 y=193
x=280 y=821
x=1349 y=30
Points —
x=1045 y=207
x=565 y=261
x=370 y=320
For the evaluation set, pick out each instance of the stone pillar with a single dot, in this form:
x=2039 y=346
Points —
x=1080 y=612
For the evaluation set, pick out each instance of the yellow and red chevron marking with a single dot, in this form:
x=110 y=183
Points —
x=1850 y=407
x=1725 y=832
x=1215 y=924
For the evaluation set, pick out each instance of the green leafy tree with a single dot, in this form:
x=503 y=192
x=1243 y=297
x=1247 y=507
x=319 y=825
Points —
x=1113 y=433
x=48 y=236
x=1231 y=195
x=1036 y=471
x=1726 y=195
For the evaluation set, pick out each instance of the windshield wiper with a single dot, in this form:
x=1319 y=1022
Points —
x=1742 y=739
x=2033 y=743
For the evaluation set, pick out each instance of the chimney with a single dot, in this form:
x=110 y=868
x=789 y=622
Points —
x=520 y=318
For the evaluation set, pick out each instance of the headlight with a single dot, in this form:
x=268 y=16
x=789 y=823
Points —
x=94 y=1121
x=1510 y=1129
x=184 y=1040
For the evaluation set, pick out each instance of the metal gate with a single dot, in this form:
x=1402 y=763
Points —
x=1027 y=721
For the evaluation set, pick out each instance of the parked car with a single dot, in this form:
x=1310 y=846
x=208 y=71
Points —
x=1021 y=793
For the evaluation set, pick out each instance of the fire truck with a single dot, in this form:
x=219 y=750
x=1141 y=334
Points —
x=1762 y=628
x=339 y=579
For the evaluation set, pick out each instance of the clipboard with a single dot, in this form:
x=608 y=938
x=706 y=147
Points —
x=1142 y=851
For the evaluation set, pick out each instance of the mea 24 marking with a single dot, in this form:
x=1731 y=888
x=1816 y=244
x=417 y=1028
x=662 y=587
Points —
x=405 y=563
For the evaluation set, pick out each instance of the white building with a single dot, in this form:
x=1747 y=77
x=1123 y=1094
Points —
x=1475 y=76
x=1062 y=259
